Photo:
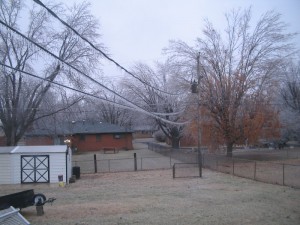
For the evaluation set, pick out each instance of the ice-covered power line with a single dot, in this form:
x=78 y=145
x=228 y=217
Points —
x=74 y=68
x=65 y=86
x=94 y=96
x=98 y=49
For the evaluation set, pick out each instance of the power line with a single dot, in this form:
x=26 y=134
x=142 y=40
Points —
x=64 y=86
x=96 y=48
x=92 y=95
x=74 y=68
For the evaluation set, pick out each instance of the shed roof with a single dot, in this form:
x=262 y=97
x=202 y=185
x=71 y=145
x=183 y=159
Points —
x=6 y=149
x=34 y=149
x=12 y=216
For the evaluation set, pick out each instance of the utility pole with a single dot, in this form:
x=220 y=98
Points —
x=196 y=89
x=199 y=114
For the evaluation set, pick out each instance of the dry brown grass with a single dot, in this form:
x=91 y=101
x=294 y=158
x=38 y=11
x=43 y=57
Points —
x=153 y=197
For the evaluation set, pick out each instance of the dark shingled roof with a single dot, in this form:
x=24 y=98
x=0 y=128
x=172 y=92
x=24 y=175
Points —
x=98 y=127
x=80 y=127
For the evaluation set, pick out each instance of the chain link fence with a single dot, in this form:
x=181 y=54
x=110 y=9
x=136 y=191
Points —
x=124 y=164
x=267 y=166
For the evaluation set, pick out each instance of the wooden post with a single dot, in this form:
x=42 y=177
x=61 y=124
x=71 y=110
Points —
x=95 y=163
x=40 y=210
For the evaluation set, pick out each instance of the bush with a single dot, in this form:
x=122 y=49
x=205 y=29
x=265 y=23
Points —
x=159 y=136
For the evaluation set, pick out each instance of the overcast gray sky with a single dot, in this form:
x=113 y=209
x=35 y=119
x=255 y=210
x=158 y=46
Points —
x=138 y=30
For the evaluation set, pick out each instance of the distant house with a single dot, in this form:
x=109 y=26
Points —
x=84 y=135
x=143 y=131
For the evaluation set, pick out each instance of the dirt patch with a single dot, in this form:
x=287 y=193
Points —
x=153 y=197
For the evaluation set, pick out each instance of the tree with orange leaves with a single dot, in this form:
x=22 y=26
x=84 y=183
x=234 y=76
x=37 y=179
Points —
x=237 y=71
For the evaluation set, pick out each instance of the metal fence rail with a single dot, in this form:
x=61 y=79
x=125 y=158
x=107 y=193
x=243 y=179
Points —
x=124 y=164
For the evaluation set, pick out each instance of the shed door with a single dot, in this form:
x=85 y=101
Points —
x=35 y=169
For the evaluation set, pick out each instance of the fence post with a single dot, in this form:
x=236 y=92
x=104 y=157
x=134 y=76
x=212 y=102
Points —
x=232 y=166
x=170 y=161
x=141 y=163
x=283 y=174
x=109 y=165
x=95 y=163
x=254 y=170
x=135 y=162
x=173 y=170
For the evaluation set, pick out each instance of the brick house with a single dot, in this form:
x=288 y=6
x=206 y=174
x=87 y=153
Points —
x=84 y=135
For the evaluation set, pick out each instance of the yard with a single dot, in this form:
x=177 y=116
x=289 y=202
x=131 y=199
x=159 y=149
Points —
x=270 y=166
x=153 y=197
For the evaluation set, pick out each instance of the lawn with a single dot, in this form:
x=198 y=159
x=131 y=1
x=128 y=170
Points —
x=153 y=197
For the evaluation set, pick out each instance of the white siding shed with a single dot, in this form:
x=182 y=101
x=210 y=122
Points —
x=35 y=164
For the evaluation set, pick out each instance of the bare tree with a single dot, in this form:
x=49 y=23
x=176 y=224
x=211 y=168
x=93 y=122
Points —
x=290 y=99
x=156 y=102
x=64 y=107
x=110 y=111
x=20 y=95
x=291 y=90
x=236 y=65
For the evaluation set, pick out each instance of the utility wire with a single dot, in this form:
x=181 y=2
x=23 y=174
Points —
x=91 y=95
x=96 y=48
x=74 y=68
x=65 y=86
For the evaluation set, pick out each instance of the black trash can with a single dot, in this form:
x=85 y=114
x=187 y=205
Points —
x=60 y=178
x=76 y=171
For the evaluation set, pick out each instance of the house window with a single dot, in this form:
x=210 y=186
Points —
x=117 y=136
x=98 y=137
x=82 y=137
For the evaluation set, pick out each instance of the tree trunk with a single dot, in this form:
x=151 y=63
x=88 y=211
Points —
x=175 y=142
x=12 y=138
x=8 y=140
x=229 y=149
